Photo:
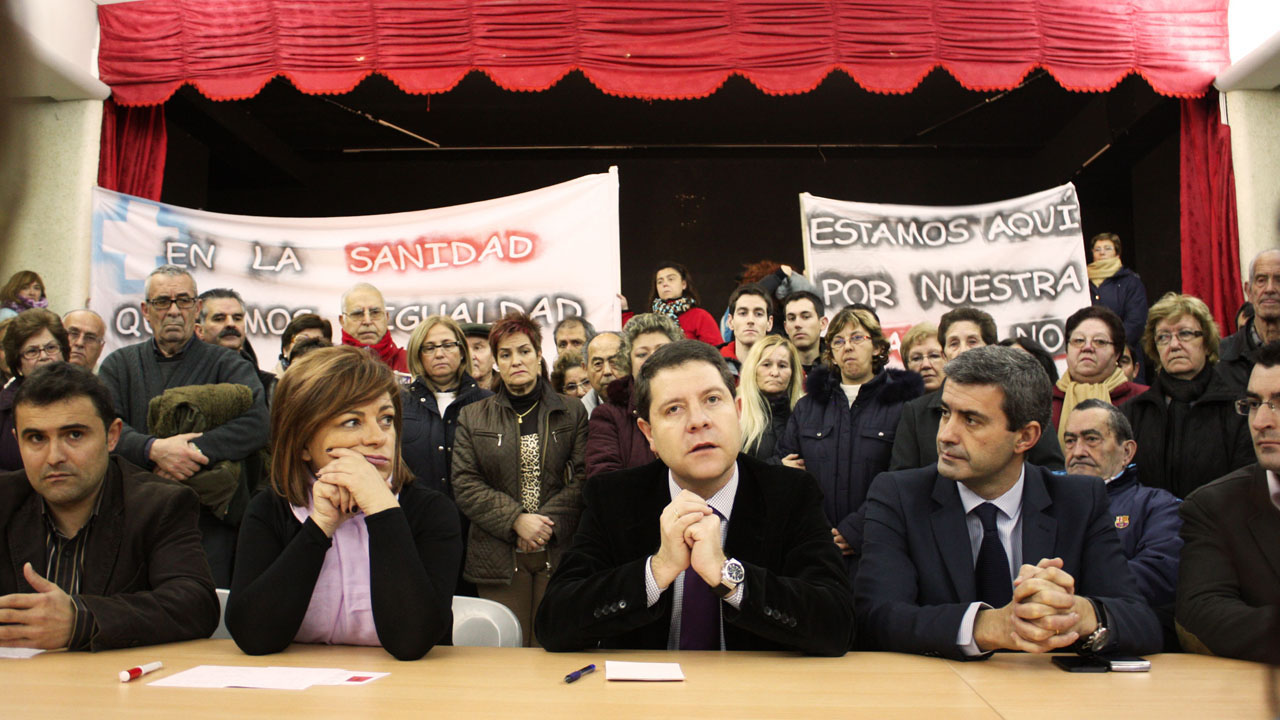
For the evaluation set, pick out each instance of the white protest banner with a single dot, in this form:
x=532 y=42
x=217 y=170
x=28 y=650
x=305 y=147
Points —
x=1021 y=260
x=551 y=252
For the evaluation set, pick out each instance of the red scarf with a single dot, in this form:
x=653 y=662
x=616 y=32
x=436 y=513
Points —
x=385 y=349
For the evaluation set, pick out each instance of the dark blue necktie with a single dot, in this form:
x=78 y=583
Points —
x=991 y=572
x=699 y=613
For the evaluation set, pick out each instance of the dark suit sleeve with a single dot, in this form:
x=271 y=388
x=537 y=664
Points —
x=414 y=552
x=807 y=604
x=595 y=594
x=275 y=574
x=1104 y=576
x=181 y=603
x=887 y=589
x=1211 y=603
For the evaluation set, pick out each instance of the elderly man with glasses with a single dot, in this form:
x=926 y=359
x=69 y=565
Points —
x=364 y=324
x=174 y=358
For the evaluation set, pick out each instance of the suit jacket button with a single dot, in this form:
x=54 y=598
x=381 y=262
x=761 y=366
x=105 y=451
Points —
x=622 y=604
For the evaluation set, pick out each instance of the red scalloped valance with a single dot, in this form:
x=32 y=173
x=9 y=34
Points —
x=230 y=49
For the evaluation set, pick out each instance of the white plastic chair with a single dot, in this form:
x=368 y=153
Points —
x=222 y=633
x=484 y=623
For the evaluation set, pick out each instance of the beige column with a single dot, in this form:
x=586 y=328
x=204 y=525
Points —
x=1254 y=116
x=49 y=231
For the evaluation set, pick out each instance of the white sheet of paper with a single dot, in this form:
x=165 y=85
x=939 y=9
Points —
x=273 y=678
x=19 y=653
x=642 y=671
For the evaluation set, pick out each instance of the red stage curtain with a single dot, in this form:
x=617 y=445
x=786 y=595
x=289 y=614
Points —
x=134 y=144
x=1210 y=235
x=655 y=49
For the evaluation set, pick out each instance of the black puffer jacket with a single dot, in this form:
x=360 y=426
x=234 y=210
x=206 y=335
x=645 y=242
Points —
x=426 y=438
x=1213 y=442
x=846 y=447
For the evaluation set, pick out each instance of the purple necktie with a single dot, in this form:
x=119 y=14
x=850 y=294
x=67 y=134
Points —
x=699 y=613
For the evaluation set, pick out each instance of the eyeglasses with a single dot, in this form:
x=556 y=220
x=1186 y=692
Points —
x=373 y=313
x=932 y=357
x=1184 y=336
x=164 y=302
x=447 y=346
x=854 y=339
x=52 y=350
x=1100 y=343
x=1250 y=406
x=574 y=387
x=88 y=338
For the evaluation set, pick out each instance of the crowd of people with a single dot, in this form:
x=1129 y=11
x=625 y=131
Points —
x=681 y=484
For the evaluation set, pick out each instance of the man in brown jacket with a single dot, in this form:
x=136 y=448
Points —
x=97 y=554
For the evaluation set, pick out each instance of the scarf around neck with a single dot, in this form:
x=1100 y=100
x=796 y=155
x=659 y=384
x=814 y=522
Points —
x=1100 y=270
x=20 y=303
x=385 y=348
x=1075 y=393
x=673 y=308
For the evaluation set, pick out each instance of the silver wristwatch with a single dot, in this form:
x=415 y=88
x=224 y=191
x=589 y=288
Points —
x=731 y=576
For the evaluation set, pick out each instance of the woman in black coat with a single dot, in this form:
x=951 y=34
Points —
x=843 y=429
x=1186 y=425
x=439 y=360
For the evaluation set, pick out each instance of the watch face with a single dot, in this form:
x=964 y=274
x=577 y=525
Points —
x=733 y=571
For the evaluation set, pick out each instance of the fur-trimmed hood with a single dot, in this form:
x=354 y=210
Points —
x=897 y=385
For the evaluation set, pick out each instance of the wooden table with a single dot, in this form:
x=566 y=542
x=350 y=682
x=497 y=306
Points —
x=518 y=684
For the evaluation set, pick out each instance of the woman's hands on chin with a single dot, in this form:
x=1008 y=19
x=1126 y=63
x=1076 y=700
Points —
x=330 y=506
x=362 y=480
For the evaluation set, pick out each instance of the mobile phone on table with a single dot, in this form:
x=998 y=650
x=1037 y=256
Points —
x=1129 y=664
x=1082 y=663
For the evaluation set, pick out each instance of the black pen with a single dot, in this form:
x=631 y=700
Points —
x=579 y=673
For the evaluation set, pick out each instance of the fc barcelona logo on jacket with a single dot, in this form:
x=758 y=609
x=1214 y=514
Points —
x=1122 y=522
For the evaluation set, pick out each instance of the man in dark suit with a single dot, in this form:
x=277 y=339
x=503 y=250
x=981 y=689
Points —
x=985 y=552
x=705 y=548
x=1229 y=579
x=97 y=554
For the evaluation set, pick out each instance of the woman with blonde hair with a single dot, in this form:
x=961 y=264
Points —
x=1186 y=425
x=843 y=428
x=921 y=353
x=343 y=549
x=770 y=385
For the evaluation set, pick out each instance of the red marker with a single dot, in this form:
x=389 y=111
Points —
x=137 y=672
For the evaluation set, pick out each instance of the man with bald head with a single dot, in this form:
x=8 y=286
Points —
x=1262 y=288
x=86 y=332
x=364 y=324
